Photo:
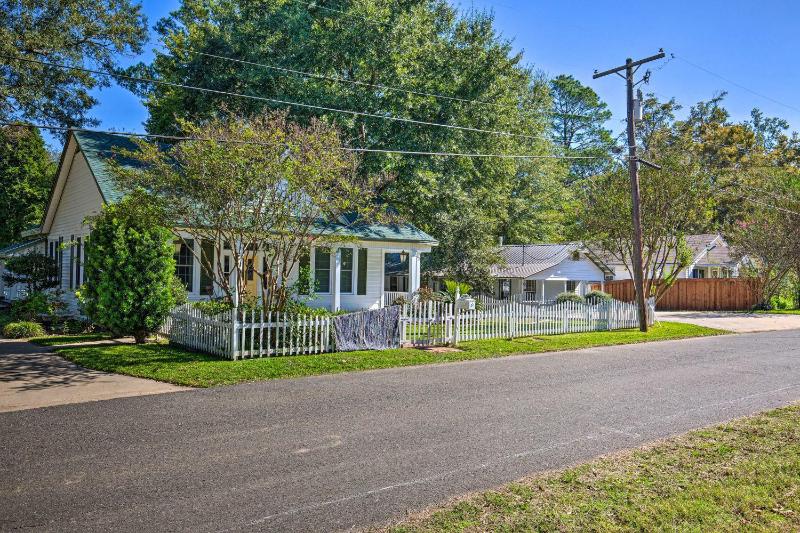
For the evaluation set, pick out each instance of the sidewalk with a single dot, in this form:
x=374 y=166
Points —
x=31 y=376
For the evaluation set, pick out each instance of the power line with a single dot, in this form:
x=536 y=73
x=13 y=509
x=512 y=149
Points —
x=381 y=86
x=366 y=114
x=736 y=84
x=344 y=148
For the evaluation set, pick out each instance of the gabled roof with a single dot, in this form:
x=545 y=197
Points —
x=706 y=248
x=98 y=148
x=525 y=260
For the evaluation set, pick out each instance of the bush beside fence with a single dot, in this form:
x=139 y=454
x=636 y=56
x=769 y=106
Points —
x=237 y=334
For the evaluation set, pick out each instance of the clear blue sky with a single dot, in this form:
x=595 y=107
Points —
x=753 y=43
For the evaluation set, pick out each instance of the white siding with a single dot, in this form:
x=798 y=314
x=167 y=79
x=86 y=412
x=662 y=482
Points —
x=79 y=199
x=355 y=302
x=581 y=270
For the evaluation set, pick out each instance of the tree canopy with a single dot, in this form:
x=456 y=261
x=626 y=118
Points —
x=26 y=175
x=422 y=46
x=67 y=32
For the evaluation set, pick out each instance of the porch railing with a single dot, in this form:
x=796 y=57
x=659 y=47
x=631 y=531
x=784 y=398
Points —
x=389 y=297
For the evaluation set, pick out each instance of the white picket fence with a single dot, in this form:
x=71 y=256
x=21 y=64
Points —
x=436 y=323
x=246 y=334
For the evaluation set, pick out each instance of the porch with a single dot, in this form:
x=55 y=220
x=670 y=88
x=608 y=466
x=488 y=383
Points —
x=540 y=290
x=351 y=277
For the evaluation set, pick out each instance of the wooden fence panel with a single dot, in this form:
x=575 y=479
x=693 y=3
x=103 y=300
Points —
x=726 y=294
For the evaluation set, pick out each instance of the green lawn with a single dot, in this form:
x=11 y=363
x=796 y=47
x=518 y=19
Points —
x=780 y=312
x=742 y=476
x=174 y=365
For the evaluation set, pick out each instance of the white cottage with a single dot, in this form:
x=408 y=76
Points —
x=540 y=272
x=351 y=276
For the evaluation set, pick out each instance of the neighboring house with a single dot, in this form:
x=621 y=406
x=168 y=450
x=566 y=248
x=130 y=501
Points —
x=33 y=244
x=350 y=277
x=540 y=272
x=711 y=258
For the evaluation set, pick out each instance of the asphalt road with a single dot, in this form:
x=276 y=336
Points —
x=336 y=452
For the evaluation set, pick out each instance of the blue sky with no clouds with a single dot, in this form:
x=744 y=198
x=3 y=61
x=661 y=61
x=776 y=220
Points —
x=753 y=44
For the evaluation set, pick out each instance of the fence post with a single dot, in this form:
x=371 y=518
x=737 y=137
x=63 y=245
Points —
x=234 y=336
x=455 y=324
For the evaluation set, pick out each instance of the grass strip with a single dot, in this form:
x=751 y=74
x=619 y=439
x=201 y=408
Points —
x=182 y=367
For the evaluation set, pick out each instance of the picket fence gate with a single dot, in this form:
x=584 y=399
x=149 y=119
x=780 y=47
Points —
x=238 y=334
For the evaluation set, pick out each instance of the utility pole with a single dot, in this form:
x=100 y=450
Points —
x=630 y=67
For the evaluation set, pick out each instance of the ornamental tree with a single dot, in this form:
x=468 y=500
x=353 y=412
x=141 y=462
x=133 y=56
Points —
x=130 y=269
x=260 y=188
x=37 y=271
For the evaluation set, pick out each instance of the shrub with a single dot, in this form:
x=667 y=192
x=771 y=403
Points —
x=213 y=307
x=597 y=297
x=569 y=297
x=35 y=270
x=23 y=329
x=36 y=305
x=130 y=269
x=71 y=326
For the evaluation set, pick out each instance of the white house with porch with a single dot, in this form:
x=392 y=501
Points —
x=540 y=272
x=351 y=276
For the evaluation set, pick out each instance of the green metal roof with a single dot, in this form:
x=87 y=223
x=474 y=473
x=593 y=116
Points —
x=18 y=246
x=98 y=148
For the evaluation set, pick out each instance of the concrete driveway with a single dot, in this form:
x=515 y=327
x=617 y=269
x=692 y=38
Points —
x=732 y=321
x=31 y=376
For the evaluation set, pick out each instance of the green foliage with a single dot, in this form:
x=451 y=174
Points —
x=70 y=326
x=130 y=269
x=37 y=271
x=578 y=126
x=23 y=330
x=26 y=175
x=214 y=306
x=89 y=32
x=569 y=297
x=597 y=297
x=278 y=188
x=37 y=305
x=426 y=46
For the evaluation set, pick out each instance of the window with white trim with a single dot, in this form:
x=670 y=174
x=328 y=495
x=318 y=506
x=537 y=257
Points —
x=572 y=285
x=346 y=272
x=322 y=270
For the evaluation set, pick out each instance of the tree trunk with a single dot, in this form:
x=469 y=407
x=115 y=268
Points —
x=140 y=336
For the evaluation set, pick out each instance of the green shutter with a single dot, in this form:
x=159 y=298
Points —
x=362 y=271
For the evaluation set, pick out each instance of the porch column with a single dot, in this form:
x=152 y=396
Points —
x=336 y=276
x=413 y=271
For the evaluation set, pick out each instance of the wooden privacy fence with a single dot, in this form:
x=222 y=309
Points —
x=724 y=294
x=244 y=334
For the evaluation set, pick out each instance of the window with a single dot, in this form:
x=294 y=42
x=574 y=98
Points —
x=251 y=269
x=322 y=270
x=505 y=288
x=71 y=261
x=362 y=271
x=346 y=274
x=207 y=268
x=530 y=290
x=572 y=286
x=60 y=260
x=184 y=262
x=303 y=273
x=78 y=252
x=698 y=273
x=226 y=266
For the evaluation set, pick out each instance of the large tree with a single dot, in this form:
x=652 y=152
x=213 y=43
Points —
x=578 y=126
x=420 y=45
x=26 y=175
x=69 y=32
